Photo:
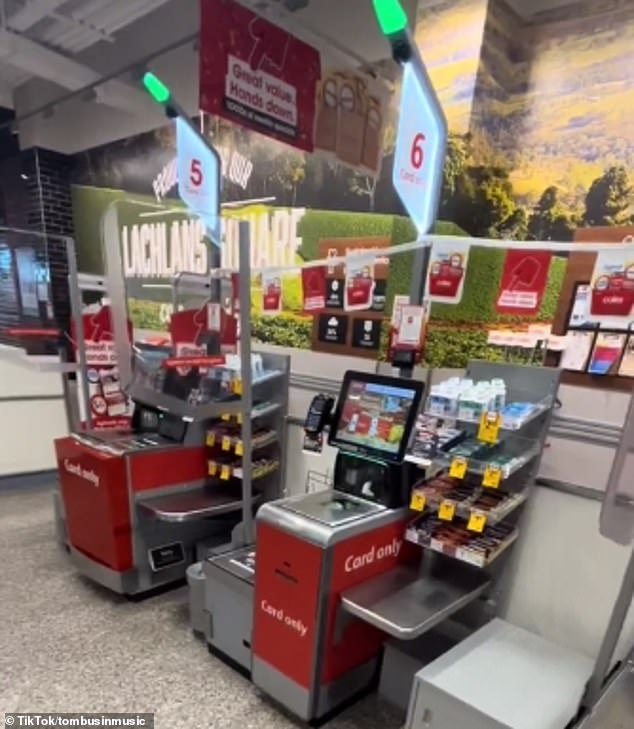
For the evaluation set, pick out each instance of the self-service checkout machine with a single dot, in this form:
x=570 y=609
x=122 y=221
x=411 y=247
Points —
x=277 y=609
x=138 y=506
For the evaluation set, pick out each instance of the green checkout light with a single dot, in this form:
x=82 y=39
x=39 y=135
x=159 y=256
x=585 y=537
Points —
x=390 y=15
x=156 y=88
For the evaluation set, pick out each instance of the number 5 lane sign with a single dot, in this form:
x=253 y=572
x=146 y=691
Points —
x=420 y=146
x=198 y=177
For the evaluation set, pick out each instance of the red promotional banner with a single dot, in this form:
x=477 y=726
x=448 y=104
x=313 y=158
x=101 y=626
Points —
x=314 y=289
x=109 y=406
x=256 y=74
x=523 y=282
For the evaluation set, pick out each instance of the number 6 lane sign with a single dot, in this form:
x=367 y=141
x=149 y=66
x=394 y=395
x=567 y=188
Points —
x=420 y=147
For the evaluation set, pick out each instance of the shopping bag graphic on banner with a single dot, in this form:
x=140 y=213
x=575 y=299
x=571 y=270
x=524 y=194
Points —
x=447 y=270
x=360 y=284
x=612 y=285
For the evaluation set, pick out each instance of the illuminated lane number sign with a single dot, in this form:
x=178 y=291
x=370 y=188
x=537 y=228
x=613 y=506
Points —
x=420 y=149
x=196 y=173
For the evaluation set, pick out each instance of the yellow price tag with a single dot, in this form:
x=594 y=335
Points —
x=239 y=448
x=477 y=522
x=212 y=468
x=225 y=472
x=211 y=439
x=226 y=442
x=225 y=416
x=239 y=418
x=418 y=501
x=492 y=477
x=489 y=429
x=447 y=510
x=458 y=468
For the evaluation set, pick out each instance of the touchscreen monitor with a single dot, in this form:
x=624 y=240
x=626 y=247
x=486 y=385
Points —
x=375 y=415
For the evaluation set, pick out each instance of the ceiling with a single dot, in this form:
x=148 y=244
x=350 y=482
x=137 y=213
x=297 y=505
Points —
x=50 y=39
x=41 y=39
x=52 y=49
x=530 y=8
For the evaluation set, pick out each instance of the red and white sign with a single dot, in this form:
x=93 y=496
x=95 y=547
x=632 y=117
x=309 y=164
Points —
x=187 y=362
x=314 y=289
x=271 y=293
x=523 y=282
x=109 y=407
x=408 y=328
x=360 y=284
x=256 y=74
x=447 y=271
x=612 y=287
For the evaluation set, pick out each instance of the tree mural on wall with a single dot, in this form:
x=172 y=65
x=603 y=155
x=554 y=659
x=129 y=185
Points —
x=609 y=199
x=549 y=219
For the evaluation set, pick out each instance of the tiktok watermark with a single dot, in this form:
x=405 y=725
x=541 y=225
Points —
x=15 y=720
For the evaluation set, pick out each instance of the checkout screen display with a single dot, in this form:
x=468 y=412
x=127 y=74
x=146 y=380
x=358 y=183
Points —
x=375 y=416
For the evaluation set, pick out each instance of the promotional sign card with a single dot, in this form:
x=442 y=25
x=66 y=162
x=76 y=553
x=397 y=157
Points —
x=410 y=331
x=447 y=270
x=360 y=284
x=314 y=289
x=256 y=74
x=109 y=406
x=612 y=287
x=271 y=293
x=577 y=350
x=627 y=363
x=523 y=282
x=606 y=354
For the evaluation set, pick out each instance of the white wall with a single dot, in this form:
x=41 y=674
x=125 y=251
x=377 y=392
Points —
x=28 y=427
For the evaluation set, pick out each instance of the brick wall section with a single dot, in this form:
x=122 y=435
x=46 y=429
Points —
x=36 y=196
x=54 y=174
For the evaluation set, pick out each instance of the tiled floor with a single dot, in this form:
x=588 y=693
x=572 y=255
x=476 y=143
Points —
x=67 y=645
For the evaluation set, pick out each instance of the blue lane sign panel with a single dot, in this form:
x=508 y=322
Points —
x=198 y=178
x=420 y=149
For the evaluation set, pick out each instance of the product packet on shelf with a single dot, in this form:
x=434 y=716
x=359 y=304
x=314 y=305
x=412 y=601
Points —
x=516 y=413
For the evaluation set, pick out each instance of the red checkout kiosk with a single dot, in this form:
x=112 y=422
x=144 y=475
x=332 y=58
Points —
x=285 y=610
x=139 y=507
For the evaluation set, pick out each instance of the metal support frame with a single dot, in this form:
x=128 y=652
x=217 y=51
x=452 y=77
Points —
x=603 y=663
x=617 y=523
x=248 y=532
